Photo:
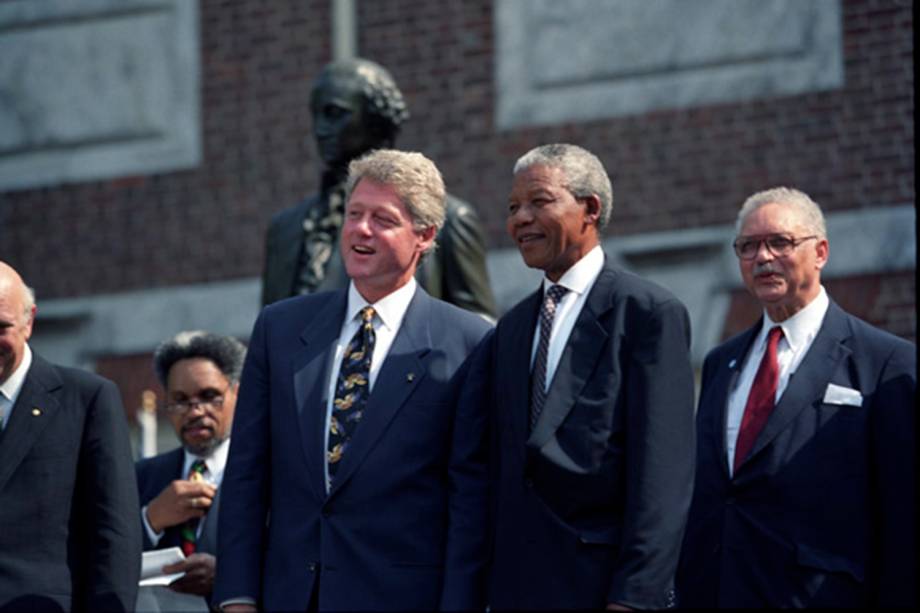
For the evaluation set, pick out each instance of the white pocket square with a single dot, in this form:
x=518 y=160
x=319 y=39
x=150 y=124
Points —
x=837 y=394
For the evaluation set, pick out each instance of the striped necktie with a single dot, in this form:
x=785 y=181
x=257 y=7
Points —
x=538 y=379
x=190 y=527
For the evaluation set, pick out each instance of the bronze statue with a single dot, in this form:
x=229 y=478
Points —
x=356 y=108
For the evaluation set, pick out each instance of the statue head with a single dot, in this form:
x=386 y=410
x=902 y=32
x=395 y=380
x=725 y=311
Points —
x=356 y=107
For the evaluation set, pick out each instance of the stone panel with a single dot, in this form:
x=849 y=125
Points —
x=97 y=89
x=577 y=60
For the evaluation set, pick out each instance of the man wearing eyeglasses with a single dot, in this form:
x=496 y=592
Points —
x=805 y=492
x=200 y=372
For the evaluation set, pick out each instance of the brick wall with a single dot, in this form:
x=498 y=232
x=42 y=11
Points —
x=848 y=148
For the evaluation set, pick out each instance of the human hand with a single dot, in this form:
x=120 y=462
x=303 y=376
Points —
x=612 y=606
x=199 y=574
x=178 y=502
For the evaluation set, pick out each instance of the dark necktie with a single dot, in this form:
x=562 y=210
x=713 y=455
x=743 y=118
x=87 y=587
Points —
x=352 y=389
x=538 y=380
x=190 y=527
x=761 y=399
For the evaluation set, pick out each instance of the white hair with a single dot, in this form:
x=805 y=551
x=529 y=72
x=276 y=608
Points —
x=807 y=210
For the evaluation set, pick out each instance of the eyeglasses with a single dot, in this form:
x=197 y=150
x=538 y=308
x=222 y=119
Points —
x=210 y=400
x=747 y=247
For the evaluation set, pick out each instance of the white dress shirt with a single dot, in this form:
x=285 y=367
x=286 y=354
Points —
x=799 y=332
x=579 y=279
x=10 y=389
x=213 y=474
x=389 y=313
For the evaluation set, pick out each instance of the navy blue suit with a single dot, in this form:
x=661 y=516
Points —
x=823 y=510
x=403 y=526
x=69 y=534
x=589 y=507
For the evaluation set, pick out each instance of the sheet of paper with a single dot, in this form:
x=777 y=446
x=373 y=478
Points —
x=152 y=566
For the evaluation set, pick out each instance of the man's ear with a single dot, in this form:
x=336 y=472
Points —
x=592 y=209
x=822 y=250
x=426 y=238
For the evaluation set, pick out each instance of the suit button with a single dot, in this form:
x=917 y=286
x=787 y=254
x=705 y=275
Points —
x=717 y=548
x=312 y=567
x=326 y=513
x=730 y=501
x=528 y=482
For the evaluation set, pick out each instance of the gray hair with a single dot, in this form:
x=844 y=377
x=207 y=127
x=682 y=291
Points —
x=226 y=352
x=807 y=210
x=28 y=301
x=584 y=174
x=414 y=178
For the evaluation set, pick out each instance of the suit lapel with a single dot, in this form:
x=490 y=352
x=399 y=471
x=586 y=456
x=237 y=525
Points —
x=516 y=381
x=310 y=369
x=810 y=379
x=723 y=382
x=578 y=358
x=35 y=407
x=401 y=373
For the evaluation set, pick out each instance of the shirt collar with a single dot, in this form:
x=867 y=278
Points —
x=11 y=387
x=216 y=461
x=804 y=325
x=390 y=309
x=581 y=275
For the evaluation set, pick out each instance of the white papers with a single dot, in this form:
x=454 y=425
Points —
x=152 y=566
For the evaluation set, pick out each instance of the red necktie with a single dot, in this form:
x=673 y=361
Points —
x=760 y=400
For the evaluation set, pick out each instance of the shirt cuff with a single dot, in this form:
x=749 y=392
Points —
x=237 y=600
x=153 y=536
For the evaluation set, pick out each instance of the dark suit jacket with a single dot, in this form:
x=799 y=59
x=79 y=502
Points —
x=823 y=511
x=403 y=526
x=153 y=475
x=69 y=536
x=454 y=272
x=589 y=508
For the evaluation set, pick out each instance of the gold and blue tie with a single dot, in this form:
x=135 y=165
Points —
x=352 y=390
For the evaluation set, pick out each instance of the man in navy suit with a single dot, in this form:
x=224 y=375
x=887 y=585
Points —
x=592 y=395
x=69 y=535
x=179 y=489
x=806 y=472
x=357 y=476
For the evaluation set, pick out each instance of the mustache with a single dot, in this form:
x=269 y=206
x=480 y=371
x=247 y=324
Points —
x=764 y=268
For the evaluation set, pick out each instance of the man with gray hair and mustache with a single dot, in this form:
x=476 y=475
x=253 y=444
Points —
x=805 y=492
x=179 y=489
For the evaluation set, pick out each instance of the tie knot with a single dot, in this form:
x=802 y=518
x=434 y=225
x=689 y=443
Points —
x=556 y=292
x=367 y=314
x=198 y=467
x=773 y=336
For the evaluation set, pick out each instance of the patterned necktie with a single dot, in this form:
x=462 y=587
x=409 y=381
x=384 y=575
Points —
x=190 y=527
x=352 y=389
x=538 y=380
x=761 y=399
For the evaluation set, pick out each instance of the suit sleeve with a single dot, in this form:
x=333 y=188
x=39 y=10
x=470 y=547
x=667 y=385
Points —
x=465 y=554
x=894 y=471
x=463 y=252
x=660 y=448
x=108 y=494
x=244 y=489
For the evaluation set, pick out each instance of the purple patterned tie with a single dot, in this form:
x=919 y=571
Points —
x=538 y=381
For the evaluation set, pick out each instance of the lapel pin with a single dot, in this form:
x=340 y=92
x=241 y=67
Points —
x=410 y=377
x=732 y=363
x=36 y=411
